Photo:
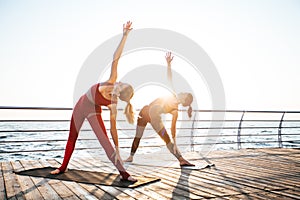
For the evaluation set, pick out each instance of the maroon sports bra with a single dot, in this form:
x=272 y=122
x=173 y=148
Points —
x=94 y=95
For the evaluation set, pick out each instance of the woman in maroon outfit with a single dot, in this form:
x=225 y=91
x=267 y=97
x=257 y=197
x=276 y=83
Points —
x=89 y=107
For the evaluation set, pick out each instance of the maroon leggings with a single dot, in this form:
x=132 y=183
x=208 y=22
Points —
x=82 y=110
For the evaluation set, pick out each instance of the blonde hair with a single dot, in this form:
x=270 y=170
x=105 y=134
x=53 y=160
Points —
x=186 y=99
x=125 y=95
x=189 y=111
x=128 y=111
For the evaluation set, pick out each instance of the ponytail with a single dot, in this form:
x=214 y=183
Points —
x=189 y=111
x=128 y=111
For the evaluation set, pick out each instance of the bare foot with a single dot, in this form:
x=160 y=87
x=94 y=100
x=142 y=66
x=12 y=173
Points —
x=129 y=159
x=57 y=171
x=130 y=179
x=185 y=163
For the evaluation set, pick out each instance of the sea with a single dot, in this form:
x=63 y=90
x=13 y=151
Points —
x=46 y=140
x=32 y=140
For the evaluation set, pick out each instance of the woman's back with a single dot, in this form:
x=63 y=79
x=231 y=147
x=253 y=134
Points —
x=167 y=103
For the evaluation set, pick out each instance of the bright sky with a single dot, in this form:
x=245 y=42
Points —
x=254 y=44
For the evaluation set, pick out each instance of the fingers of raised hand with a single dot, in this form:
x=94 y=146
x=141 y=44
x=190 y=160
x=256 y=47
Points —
x=127 y=26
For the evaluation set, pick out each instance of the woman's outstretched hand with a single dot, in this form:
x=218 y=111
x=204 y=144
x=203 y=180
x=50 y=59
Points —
x=127 y=27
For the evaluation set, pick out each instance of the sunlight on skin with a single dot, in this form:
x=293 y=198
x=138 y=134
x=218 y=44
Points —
x=146 y=94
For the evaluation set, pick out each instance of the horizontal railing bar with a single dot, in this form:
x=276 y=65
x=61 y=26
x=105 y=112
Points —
x=32 y=108
x=66 y=120
x=196 y=110
x=37 y=120
x=144 y=138
x=148 y=146
x=246 y=111
x=33 y=131
x=48 y=141
x=133 y=129
x=44 y=150
x=258 y=142
x=248 y=127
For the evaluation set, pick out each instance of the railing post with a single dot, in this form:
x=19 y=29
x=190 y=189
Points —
x=279 y=131
x=239 y=132
x=192 y=133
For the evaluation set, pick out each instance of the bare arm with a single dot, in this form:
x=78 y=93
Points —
x=169 y=59
x=173 y=125
x=113 y=126
x=114 y=133
x=113 y=74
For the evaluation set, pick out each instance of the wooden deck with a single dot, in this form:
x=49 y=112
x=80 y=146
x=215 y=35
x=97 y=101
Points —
x=238 y=174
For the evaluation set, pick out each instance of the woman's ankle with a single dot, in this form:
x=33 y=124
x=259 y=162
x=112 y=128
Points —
x=129 y=159
x=124 y=175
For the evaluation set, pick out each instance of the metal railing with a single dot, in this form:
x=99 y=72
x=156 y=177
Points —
x=240 y=127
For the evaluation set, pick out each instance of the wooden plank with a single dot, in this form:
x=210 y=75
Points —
x=2 y=186
x=193 y=182
x=29 y=189
x=61 y=189
x=270 y=166
x=166 y=185
x=132 y=193
x=75 y=188
x=254 y=181
x=242 y=163
x=266 y=174
x=160 y=188
x=220 y=183
x=258 y=196
x=277 y=161
x=226 y=170
x=293 y=193
x=259 y=173
x=147 y=191
x=277 y=151
x=252 y=171
x=274 y=173
x=144 y=192
x=97 y=192
x=152 y=191
x=241 y=182
x=228 y=187
x=41 y=184
x=183 y=186
x=92 y=189
x=13 y=187
x=224 y=180
x=214 y=180
x=112 y=191
x=79 y=191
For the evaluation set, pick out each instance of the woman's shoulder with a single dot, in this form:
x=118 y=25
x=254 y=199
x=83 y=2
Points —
x=106 y=83
x=164 y=100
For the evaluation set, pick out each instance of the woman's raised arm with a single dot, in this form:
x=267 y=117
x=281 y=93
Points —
x=169 y=59
x=113 y=74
